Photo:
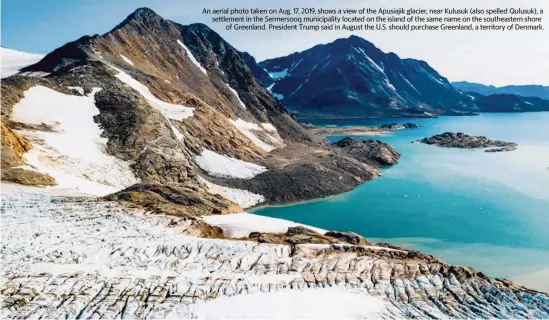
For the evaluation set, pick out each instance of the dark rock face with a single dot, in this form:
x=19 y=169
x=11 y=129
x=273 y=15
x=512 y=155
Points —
x=307 y=180
x=508 y=103
x=400 y=126
x=461 y=140
x=260 y=74
x=206 y=46
x=538 y=91
x=372 y=152
x=352 y=77
x=348 y=237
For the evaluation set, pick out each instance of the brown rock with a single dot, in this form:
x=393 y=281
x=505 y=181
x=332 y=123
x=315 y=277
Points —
x=27 y=177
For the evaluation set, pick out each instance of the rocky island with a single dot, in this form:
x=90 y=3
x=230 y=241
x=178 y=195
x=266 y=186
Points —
x=400 y=126
x=462 y=140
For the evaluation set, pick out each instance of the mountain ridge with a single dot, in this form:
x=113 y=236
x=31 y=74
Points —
x=352 y=77
x=533 y=90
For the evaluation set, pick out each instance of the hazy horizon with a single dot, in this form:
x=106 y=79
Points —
x=490 y=58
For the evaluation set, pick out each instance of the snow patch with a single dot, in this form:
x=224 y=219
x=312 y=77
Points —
x=370 y=60
x=268 y=126
x=295 y=65
x=35 y=74
x=239 y=225
x=247 y=128
x=75 y=153
x=390 y=84
x=219 y=165
x=236 y=95
x=409 y=83
x=169 y=110
x=191 y=56
x=78 y=89
x=243 y=198
x=126 y=59
x=278 y=96
x=279 y=74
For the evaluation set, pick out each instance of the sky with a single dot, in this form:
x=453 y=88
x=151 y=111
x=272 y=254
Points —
x=496 y=58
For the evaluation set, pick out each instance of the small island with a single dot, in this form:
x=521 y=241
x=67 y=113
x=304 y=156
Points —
x=400 y=126
x=462 y=140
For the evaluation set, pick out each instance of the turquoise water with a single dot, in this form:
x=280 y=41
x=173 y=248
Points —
x=485 y=210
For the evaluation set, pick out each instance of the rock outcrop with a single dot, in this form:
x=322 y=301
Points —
x=461 y=140
x=372 y=152
x=400 y=126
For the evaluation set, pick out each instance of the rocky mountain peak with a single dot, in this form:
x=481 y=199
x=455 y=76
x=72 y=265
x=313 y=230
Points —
x=140 y=16
x=363 y=80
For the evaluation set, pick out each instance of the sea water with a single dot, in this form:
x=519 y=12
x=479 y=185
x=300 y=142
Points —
x=467 y=207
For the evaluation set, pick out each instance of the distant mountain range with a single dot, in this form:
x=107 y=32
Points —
x=524 y=91
x=351 y=77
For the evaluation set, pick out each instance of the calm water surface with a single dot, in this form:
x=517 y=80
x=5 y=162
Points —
x=486 y=210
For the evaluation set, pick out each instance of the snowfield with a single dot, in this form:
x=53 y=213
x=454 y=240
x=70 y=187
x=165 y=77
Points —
x=74 y=153
x=169 y=110
x=191 y=56
x=243 y=198
x=248 y=128
x=236 y=95
x=81 y=258
x=238 y=225
x=126 y=59
x=219 y=165
x=13 y=60
x=324 y=303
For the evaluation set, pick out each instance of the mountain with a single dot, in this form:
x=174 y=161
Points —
x=352 y=77
x=508 y=103
x=13 y=60
x=165 y=109
x=538 y=91
x=260 y=74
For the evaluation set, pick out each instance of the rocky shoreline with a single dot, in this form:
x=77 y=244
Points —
x=464 y=141
x=300 y=173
